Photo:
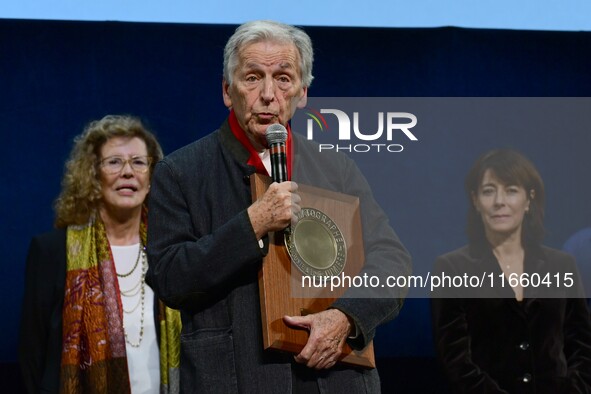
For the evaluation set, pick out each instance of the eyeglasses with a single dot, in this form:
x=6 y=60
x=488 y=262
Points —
x=115 y=164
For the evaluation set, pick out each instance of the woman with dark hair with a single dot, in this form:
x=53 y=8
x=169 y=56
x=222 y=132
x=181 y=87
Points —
x=525 y=328
x=88 y=321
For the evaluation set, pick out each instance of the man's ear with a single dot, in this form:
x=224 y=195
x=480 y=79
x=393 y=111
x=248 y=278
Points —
x=226 y=94
x=304 y=99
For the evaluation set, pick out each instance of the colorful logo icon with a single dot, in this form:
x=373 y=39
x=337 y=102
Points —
x=317 y=117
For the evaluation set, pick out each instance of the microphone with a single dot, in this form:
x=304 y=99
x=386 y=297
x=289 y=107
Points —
x=276 y=136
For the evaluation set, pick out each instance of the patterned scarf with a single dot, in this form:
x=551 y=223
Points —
x=93 y=350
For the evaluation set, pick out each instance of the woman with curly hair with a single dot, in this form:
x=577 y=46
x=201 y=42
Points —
x=88 y=321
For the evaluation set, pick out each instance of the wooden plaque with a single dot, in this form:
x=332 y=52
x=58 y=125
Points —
x=280 y=280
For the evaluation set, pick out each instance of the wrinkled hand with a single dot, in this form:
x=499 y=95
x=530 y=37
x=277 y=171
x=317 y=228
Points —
x=328 y=332
x=276 y=209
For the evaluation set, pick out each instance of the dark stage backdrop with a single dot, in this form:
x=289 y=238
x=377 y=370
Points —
x=56 y=76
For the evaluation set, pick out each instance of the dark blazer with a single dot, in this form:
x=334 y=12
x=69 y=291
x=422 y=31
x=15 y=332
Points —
x=204 y=259
x=40 y=336
x=499 y=345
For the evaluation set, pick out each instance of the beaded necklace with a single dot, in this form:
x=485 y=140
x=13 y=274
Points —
x=139 y=287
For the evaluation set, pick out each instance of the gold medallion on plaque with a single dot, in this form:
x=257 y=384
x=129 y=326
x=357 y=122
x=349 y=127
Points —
x=316 y=245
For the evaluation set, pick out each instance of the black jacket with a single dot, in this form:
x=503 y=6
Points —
x=499 y=345
x=40 y=337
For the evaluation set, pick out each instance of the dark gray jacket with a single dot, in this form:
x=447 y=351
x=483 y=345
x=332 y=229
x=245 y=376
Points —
x=204 y=259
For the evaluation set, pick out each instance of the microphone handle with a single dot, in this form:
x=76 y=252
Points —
x=278 y=162
x=279 y=168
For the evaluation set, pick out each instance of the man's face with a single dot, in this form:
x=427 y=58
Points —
x=266 y=88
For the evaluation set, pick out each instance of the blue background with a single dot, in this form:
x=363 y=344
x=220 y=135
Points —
x=55 y=76
x=506 y=14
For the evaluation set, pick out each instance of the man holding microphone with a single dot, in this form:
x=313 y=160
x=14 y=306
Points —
x=207 y=238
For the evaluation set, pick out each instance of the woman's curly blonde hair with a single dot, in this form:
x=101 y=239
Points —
x=81 y=186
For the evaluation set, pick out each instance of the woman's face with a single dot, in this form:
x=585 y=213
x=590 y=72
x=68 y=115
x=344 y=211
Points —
x=124 y=190
x=502 y=207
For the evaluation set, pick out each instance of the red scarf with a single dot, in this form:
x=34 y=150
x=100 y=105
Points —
x=254 y=159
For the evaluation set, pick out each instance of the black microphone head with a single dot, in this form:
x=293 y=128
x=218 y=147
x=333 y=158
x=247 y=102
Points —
x=276 y=134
